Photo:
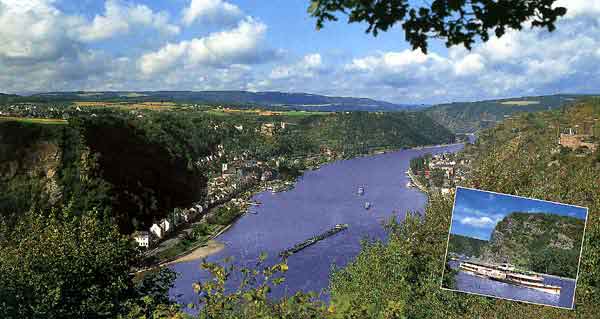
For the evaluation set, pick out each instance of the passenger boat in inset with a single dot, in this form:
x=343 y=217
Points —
x=508 y=274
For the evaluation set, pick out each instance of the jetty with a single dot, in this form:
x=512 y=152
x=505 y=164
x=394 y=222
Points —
x=313 y=240
x=509 y=274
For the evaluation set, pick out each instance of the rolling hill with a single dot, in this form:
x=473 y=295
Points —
x=273 y=100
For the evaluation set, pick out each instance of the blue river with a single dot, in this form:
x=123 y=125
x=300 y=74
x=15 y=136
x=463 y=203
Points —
x=466 y=282
x=320 y=199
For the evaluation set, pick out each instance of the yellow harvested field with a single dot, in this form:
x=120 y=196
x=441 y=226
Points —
x=157 y=106
x=520 y=103
x=32 y=120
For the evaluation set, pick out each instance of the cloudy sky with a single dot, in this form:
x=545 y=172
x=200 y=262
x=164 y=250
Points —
x=62 y=45
x=476 y=213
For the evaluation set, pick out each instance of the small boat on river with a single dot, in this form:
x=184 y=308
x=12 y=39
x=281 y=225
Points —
x=509 y=274
x=313 y=240
x=368 y=205
x=361 y=191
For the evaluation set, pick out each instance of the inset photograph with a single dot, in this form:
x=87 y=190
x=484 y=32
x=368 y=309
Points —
x=514 y=248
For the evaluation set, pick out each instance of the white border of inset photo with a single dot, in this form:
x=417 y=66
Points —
x=503 y=298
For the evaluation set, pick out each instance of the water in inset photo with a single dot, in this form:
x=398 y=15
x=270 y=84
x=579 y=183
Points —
x=514 y=248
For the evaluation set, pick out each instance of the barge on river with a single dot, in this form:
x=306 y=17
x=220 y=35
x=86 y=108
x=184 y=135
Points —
x=508 y=274
x=311 y=241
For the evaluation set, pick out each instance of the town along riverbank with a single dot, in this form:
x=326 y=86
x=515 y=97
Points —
x=320 y=199
x=182 y=247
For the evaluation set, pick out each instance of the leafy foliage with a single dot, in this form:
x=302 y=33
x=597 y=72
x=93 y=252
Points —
x=457 y=21
x=63 y=265
x=251 y=300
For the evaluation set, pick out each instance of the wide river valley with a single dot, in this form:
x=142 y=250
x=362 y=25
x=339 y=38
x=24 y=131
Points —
x=320 y=199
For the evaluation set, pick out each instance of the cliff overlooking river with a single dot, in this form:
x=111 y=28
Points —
x=539 y=242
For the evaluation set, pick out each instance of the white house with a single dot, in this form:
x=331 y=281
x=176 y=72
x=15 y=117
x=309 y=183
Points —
x=142 y=238
x=165 y=225
x=186 y=215
x=157 y=231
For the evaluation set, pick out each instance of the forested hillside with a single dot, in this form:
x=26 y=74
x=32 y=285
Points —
x=466 y=246
x=468 y=117
x=545 y=243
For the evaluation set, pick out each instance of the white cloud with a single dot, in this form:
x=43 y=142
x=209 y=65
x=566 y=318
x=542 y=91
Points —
x=470 y=64
x=32 y=30
x=120 y=17
x=163 y=59
x=211 y=11
x=579 y=7
x=526 y=62
x=44 y=48
x=310 y=66
x=479 y=222
x=241 y=45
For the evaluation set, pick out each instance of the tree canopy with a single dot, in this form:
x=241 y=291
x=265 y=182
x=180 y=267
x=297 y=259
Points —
x=456 y=21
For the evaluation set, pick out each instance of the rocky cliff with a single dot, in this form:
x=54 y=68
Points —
x=540 y=242
x=109 y=165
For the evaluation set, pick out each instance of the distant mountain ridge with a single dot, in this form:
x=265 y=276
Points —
x=278 y=100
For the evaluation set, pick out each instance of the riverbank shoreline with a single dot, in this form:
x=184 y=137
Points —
x=414 y=181
x=212 y=247
x=204 y=250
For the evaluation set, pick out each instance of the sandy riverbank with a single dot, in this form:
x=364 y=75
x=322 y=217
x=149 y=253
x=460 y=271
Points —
x=212 y=247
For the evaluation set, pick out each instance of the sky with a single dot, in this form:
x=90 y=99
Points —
x=100 y=45
x=476 y=213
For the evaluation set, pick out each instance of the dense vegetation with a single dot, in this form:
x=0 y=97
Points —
x=71 y=264
x=540 y=242
x=466 y=246
x=45 y=166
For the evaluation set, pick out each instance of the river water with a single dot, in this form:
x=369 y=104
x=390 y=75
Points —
x=466 y=282
x=320 y=199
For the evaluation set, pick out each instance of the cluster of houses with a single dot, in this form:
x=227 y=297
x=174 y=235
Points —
x=579 y=137
x=454 y=170
x=269 y=129
x=165 y=226
x=34 y=110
